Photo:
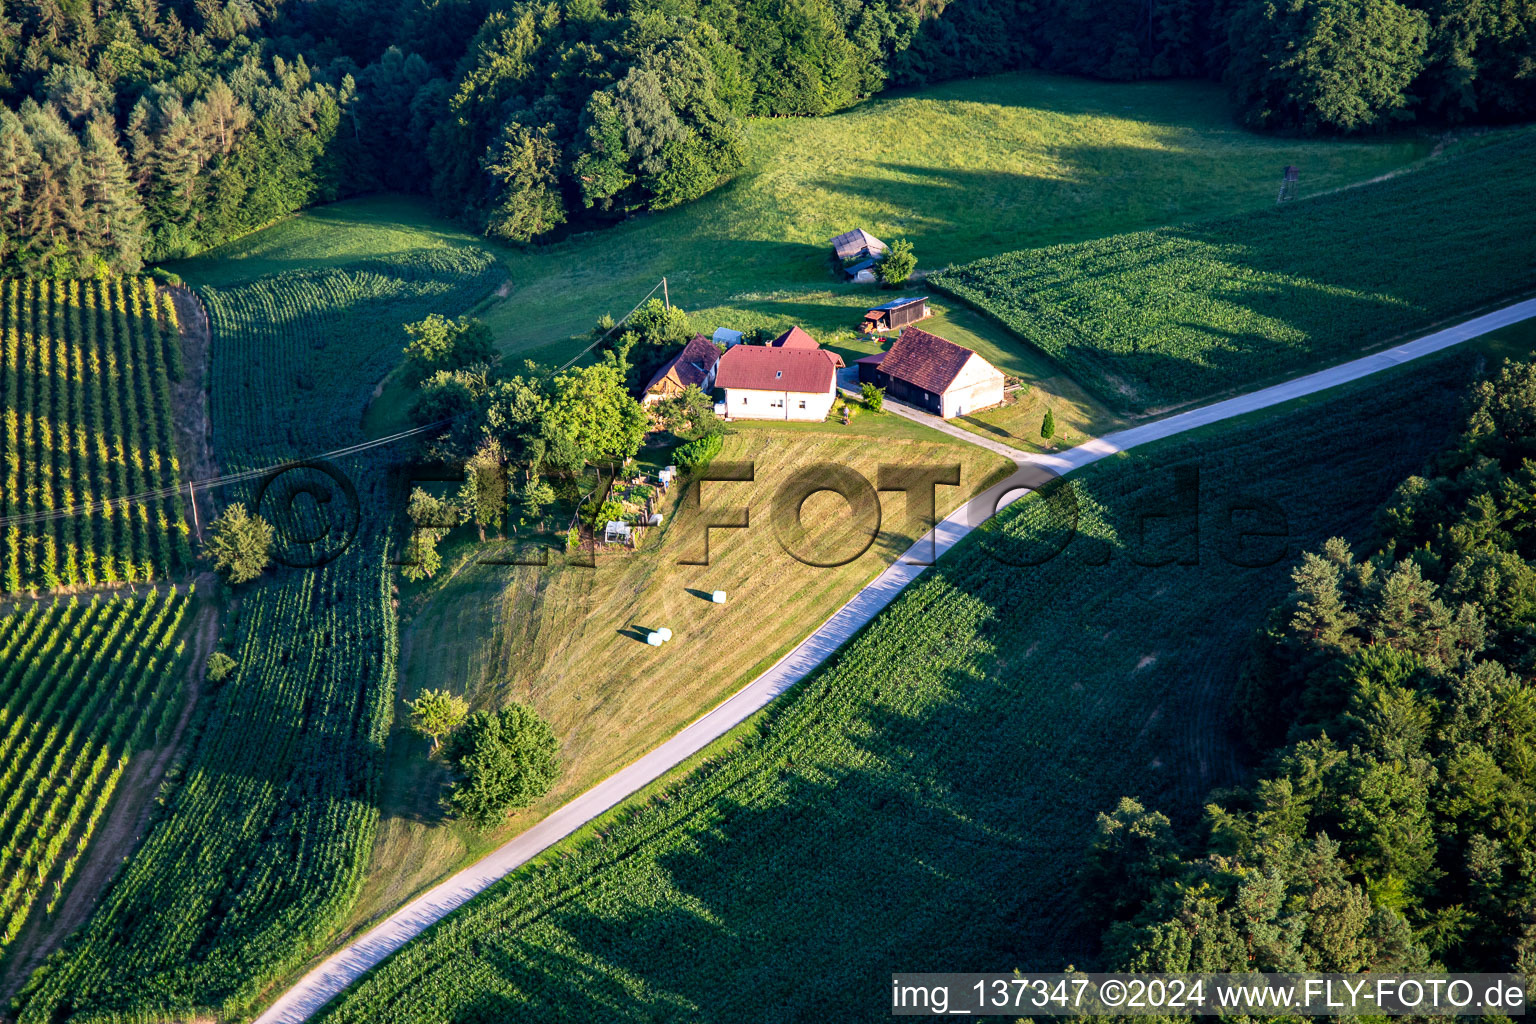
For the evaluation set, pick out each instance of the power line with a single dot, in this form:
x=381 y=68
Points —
x=622 y=320
x=222 y=480
x=225 y=479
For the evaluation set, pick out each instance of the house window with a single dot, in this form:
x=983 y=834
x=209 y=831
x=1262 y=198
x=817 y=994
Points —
x=743 y=399
x=777 y=374
x=802 y=404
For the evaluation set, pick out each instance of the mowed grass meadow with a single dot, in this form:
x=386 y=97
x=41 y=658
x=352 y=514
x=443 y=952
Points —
x=569 y=640
x=1156 y=319
x=964 y=170
x=921 y=802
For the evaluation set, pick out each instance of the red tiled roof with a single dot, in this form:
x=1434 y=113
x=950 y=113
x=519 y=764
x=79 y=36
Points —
x=873 y=360
x=692 y=364
x=925 y=360
x=795 y=338
x=759 y=368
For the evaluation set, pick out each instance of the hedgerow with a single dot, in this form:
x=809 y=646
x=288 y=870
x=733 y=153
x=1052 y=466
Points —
x=85 y=371
x=1166 y=317
x=921 y=802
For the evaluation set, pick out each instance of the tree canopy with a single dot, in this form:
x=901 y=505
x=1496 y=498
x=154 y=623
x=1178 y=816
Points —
x=502 y=760
x=436 y=713
x=1392 y=826
x=134 y=131
x=240 y=544
x=439 y=344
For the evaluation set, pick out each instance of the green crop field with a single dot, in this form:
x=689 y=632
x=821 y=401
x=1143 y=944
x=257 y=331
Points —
x=921 y=801
x=1161 y=318
x=83 y=687
x=85 y=371
x=262 y=844
x=314 y=342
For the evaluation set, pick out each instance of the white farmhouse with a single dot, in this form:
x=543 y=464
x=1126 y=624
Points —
x=766 y=383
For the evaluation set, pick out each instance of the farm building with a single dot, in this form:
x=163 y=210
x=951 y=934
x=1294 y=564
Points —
x=857 y=244
x=795 y=337
x=857 y=252
x=869 y=368
x=695 y=365
x=765 y=383
x=893 y=315
x=726 y=337
x=862 y=272
x=938 y=376
x=799 y=338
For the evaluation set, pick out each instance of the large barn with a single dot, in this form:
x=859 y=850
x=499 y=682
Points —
x=936 y=375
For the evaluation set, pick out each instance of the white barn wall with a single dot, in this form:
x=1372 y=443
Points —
x=978 y=386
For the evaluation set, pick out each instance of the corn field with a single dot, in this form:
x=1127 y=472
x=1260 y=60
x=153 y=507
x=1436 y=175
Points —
x=1162 y=318
x=262 y=847
x=85 y=371
x=84 y=685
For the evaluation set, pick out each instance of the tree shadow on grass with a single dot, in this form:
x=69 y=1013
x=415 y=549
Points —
x=922 y=802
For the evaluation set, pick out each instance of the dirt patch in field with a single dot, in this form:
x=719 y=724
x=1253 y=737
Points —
x=125 y=824
x=194 y=426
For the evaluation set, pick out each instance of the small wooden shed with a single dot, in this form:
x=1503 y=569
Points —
x=896 y=314
x=856 y=245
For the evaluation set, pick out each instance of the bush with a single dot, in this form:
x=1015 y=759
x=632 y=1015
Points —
x=874 y=397
x=240 y=544
x=502 y=761
x=595 y=514
x=698 y=453
x=220 y=665
x=1048 y=425
x=897 y=265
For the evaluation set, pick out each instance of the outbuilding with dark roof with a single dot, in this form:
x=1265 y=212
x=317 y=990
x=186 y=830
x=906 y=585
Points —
x=937 y=375
x=857 y=244
x=898 y=313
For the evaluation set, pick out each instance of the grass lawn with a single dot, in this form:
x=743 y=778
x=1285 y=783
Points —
x=922 y=802
x=570 y=640
x=963 y=170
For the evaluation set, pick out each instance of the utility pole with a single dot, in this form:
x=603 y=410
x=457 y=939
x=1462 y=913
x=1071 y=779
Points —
x=192 y=496
x=665 y=298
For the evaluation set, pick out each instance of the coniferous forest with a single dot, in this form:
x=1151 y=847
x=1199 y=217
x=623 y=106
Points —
x=139 y=131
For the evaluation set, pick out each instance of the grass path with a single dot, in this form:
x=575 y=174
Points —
x=335 y=974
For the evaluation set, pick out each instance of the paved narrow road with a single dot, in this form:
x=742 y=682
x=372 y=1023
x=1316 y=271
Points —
x=328 y=980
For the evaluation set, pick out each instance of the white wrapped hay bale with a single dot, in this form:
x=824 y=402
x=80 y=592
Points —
x=665 y=633
x=718 y=597
x=654 y=639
